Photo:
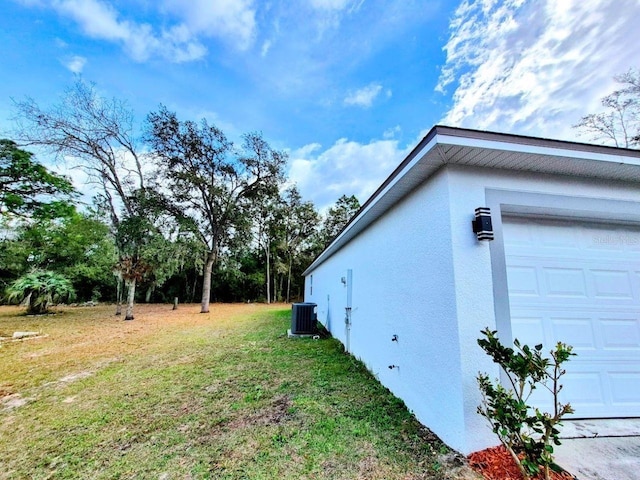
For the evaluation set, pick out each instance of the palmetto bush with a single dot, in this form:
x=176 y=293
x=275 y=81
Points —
x=41 y=288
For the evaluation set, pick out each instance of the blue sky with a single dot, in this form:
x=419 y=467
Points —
x=348 y=87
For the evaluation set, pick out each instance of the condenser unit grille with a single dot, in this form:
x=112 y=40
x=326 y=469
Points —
x=304 y=318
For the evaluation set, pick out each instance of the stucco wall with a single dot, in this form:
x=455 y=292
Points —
x=403 y=284
x=419 y=273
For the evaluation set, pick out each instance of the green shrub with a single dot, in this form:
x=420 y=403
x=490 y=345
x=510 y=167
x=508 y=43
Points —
x=41 y=288
x=521 y=428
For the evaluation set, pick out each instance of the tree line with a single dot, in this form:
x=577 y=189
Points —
x=179 y=211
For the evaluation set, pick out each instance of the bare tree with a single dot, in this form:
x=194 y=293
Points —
x=619 y=124
x=98 y=134
x=211 y=185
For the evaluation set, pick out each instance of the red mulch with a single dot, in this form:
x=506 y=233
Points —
x=496 y=464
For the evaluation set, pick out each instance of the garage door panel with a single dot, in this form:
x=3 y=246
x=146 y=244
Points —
x=530 y=329
x=618 y=239
x=595 y=335
x=580 y=330
x=612 y=284
x=550 y=237
x=517 y=233
x=573 y=284
x=579 y=283
x=576 y=328
x=523 y=280
x=554 y=237
x=565 y=282
x=584 y=389
x=620 y=333
x=623 y=388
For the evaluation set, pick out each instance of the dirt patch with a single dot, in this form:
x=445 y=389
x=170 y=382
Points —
x=276 y=413
x=75 y=376
x=14 y=400
x=5 y=391
x=22 y=337
x=456 y=467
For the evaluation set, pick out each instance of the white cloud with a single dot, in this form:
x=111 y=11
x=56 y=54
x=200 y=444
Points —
x=365 y=96
x=266 y=46
x=232 y=21
x=330 y=4
x=76 y=64
x=347 y=167
x=100 y=20
x=535 y=67
x=31 y=3
x=392 y=132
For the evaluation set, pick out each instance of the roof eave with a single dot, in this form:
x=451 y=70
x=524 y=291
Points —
x=585 y=156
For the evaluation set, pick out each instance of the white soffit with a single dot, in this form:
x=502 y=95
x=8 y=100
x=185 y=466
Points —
x=565 y=158
x=474 y=148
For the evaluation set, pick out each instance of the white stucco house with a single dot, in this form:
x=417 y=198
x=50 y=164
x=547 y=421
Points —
x=407 y=286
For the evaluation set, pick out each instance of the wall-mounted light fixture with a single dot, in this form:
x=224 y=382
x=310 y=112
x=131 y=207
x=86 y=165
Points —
x=482 y=224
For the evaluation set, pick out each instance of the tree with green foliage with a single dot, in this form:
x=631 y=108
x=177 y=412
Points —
x=521 y=428
x=134 y=233
x=28 y=188
x=40 y=288
x=210 y=186
x=619 y=124
x=79 y=246
x=98 y=133
x=299 y=223
x=285 y=226
x=337 y=218
x=265 y=214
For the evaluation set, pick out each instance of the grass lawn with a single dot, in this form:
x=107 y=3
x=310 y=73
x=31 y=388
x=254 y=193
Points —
x=177 y=394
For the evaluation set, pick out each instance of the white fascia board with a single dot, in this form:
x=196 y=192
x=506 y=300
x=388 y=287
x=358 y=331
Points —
x=580 y=154
x=573 y=151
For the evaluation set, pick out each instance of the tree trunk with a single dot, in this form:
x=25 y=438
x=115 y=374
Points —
x=147 y=295
x=275 y=288
x=192 y=295
x=268 y=274
x=131 y=285
x=33 y=308
x=281 y=288
x=289 y=279
x=119 y=296
x=206 y=282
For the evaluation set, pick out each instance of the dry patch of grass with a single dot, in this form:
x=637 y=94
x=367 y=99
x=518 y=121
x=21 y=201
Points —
x=178 y=394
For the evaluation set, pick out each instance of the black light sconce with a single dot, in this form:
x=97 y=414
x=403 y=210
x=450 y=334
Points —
x=482 y=224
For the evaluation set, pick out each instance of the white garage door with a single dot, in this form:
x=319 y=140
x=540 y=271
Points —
x=579 y=283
